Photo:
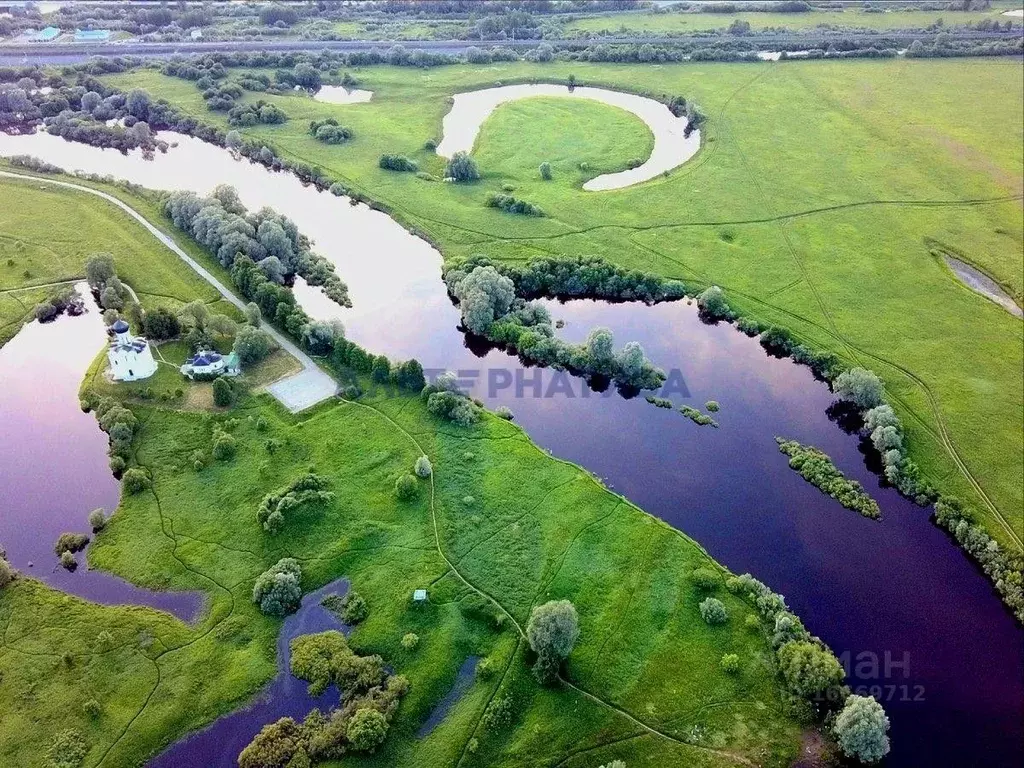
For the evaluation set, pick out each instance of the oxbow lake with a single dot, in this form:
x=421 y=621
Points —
x=919 y=624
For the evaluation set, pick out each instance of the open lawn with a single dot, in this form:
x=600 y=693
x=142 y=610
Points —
x=47 y=234
x=673 y=22
x=821 y=195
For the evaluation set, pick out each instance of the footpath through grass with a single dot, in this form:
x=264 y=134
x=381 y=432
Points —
x=500 y=519
x=820 y=199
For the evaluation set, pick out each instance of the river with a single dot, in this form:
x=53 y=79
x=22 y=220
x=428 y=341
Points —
x=950 y=659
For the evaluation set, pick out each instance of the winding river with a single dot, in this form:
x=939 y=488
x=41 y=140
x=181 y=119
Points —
x=672 y=146
x=950 y=660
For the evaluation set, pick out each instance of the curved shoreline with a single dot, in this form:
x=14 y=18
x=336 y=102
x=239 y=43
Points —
x=672 y=147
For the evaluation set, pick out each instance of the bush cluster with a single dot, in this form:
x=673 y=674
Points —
x=309 y=490
x=445 y=399
x=808 y=667
x=510 y=204
x=328 y=131
x=817 y=468
x=118 y=422
x=259 y=112
x=1005 y=569
x=278 y=590
x=580 y=277
x=359 y=725
x=491 y=308
x=397 y=163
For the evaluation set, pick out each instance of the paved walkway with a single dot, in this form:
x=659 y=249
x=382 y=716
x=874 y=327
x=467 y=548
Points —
x=297 y=392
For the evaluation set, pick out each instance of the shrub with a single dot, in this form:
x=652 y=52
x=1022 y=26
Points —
x=410 y=640
x=712 y=406
x=223 y=394
x=860 y=729
x=545 y=171
x=251 y=343
x=67 y=559
x=224 y=446
x=808 y=668
x=7 y=572
x=510 y=204
x=730 y=663
x=552 y=631
x=485 y=668
x=498 y=714
x=70 y=542
x=712 y=304
x=328 y=131
x=705 y=579
x=97 y=520
x=405 y=487
x=422 y=468
x=92 y=709
x=45 y=312
x=399 y=163
x=713 y=611
x=308 y=489
x=116 y=465
x=135 y=480
x=461 y=168
x=67 y=750
x=752 y=622
x=860 y=386
x=278 y=590
x=367 y=730
x=353 y=608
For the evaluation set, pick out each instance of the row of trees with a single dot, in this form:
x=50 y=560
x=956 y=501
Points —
x=223 y=225
x=490 y=308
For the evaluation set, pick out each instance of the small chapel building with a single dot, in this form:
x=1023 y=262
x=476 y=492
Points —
x=130 y=357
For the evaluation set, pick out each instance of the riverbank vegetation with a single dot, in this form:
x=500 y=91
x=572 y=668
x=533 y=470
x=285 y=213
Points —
x=717 y=236
x=817 y=468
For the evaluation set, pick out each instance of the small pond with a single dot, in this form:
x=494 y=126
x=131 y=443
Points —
x=337 y=94
x=53 y=461
x=898 y=590
x=978 y=281
x=672 y=147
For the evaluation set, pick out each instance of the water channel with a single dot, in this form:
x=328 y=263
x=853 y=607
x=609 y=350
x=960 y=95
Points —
x=950 y=659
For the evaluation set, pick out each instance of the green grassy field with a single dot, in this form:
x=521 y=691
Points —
x=38 y=250
x=672 y=22
x=819 y=196
x=535 y=529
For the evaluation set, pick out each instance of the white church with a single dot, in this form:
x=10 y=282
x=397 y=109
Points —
x=130 y=357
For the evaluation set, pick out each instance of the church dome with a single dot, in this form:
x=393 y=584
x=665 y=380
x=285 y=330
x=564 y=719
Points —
x=120 y=326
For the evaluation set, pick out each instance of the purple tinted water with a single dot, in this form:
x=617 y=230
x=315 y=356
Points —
x=53 y=462
x=218 y=746
x=950 y=658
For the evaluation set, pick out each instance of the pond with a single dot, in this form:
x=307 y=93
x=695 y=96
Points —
x=53 y=461
x=978 y=281
x=337 y=94
x=672 y=147
x=950 y=660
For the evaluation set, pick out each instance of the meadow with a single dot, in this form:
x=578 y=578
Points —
x=498 y=528
x=822 y=199
x=682 y=23
x=47 y=234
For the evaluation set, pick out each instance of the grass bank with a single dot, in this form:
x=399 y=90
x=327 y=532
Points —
x=820 y=193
